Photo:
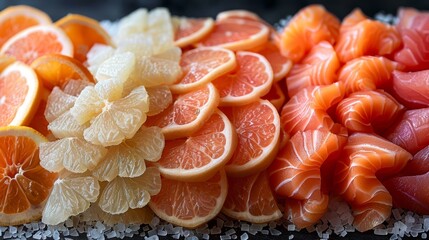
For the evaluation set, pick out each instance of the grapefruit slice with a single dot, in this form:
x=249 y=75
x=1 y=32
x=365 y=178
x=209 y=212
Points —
x=20 y=94
x=251 y=199
x=17 y=18
x=190 y=204
x=237 y=34
x=251 y=79
x=201 y=66
x=258 y=130
x=201 y=155
x=37 y=41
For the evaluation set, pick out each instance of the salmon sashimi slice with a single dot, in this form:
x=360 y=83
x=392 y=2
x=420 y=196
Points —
x=411 y=132
x=418 y=165
x=307 y=28
x=411 y=18
x=251 y=199
x=361 y=36
x=414 y=28
x=352 y=19
x=318 y=67
x=407 y=16
x=368 y=111
x=365 y=160
x=406 y=187
x=367 y=73
x=304 y=213
x=306 y=110
x=296 y=173
x=408 y=192
x=415 y=52
x=412 y=87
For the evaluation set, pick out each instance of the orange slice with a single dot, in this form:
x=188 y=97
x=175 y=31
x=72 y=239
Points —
x=39 y=121
x=252 y=79
x=276 y=96
x=24 y=184
x=280 y=64
x=56 y=70
x=258 y=131
x=237 y=34
x=37 y=41
x=17 y=18
x=250 y=16
x=5 y=61
x=84 y=32
x=202 y=65
x=191 y=30
x=251 y=199
x=193 y=158
x=190 y=204
x=19 y=94
x=237 y=14
x=187 y=114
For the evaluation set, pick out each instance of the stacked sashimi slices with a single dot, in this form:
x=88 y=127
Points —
x=357 y=113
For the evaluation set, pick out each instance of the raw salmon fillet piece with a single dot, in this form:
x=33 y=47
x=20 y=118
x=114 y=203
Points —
x=319 y=67
x=367 y=73
x=296 y=173
x=409 y=192
x=306 y=110
x=412 y=87
x=361 y=36
x=418 y=165
x=304 y=213
x=407 y=188
x=368 y=111
x=412 y=130
x=413 y=26
x=311 y=25
x=415 y=53
x=365 y=160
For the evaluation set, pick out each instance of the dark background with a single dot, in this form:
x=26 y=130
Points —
x=271 y=10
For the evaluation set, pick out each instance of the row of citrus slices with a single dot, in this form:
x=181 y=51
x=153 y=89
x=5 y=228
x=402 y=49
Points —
x=214 y=113
x=220 y=132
